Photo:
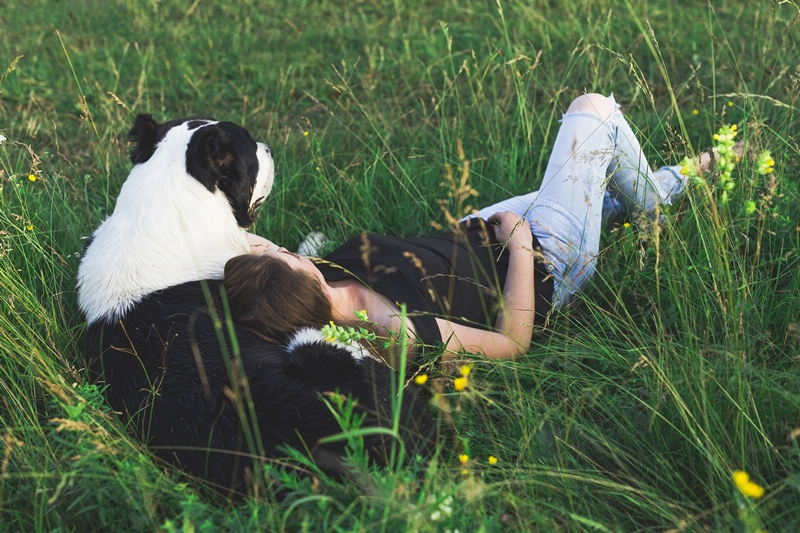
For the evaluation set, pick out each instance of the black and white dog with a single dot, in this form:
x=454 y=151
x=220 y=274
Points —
x=202 y=398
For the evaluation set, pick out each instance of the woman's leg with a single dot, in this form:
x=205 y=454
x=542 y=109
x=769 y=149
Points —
x=566 y=215
x=613 y=207
x=632 y=185
x=595 y=147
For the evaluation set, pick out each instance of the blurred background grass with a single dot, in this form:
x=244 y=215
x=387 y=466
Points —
x=679 y=367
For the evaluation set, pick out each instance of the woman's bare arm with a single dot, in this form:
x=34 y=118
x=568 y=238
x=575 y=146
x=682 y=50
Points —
x=514 y=324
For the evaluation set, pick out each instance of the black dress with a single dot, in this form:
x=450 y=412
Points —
x=457 y=275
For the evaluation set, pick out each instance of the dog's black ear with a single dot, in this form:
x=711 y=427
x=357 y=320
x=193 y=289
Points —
x=209 y=156
x=144 y=134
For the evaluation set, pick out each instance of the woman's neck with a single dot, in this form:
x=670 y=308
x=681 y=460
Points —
x=346 y=298
x=349 y=296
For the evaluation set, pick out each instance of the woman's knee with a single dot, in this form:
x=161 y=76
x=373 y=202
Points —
x=595 y=103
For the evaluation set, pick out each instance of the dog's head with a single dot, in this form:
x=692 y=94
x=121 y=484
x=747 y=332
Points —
x=181 y=214
x=220 y=155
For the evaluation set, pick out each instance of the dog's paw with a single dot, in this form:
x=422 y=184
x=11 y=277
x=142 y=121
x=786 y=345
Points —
x=313 y=245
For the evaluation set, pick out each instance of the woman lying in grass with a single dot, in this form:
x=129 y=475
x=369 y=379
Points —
x=481 y=286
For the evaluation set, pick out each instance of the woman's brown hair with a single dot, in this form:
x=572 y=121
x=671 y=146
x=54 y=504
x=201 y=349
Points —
x=273 y=300
x=266 y=295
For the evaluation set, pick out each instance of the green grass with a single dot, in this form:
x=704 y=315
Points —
x=681 y=364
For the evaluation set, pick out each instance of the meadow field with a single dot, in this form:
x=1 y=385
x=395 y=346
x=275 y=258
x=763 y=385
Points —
x=679 y=367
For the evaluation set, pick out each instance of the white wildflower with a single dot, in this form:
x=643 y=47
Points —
x=446 y=506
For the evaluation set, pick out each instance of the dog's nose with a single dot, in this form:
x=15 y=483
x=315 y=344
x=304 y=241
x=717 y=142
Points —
x=266 y=148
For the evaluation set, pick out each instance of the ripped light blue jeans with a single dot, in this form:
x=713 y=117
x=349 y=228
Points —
x=596 y=171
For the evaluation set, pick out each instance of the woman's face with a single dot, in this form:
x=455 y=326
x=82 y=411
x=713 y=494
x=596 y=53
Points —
x=298 y=262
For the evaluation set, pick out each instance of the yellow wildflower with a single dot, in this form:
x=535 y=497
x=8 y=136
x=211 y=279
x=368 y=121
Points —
x=695 y=112
x=29 y=227
x=421 y=379
x=689 y=168
x=727 y=158
x=765 y=163
x=730 y=104
x=747 y=487
x=31 y=177
x=465 y=369
x=460 y=383
x=626 y=225
x=492 y=460
x=305 y=134
x=463 y=458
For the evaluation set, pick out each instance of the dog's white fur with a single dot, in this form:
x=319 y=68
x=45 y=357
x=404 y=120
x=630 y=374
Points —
x=311 y=336
x=166 y=229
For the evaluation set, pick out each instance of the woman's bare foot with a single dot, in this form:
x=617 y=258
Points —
x=704 y=163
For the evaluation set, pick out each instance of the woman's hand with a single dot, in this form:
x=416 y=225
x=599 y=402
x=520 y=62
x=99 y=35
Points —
x=513 y=229
x=514 y=323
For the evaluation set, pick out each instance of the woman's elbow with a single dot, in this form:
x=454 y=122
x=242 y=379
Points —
x=520 y=349
x=512 y=348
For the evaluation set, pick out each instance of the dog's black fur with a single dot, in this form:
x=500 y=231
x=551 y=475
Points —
x=208 y=403
x=182 y=390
